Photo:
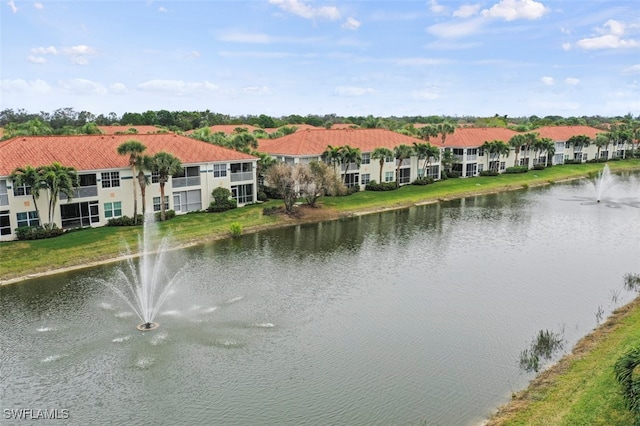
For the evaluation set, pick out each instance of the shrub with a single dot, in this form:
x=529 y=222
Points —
x=37 y=232
x=453 y=174
x=268 y=211
x=539 y=167
x=627 y=376
x=125 y=221
x=516 y=169
x=384 y=186
x=262 y=196
x=423 y=181
x=168 y=214
x=488 y=173
x=222 y=200
x=236 y=229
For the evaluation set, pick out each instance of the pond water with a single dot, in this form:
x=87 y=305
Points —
x=414 y=316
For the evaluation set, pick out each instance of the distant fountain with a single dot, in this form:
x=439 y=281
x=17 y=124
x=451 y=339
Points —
x=146 y=285
x=603 y=183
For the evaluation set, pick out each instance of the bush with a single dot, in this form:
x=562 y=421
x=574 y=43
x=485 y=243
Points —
x=627 y=376
x=37 y=232
x=125 y=221
x=222 y=200
x=384 y=186
x=488 y=173
x=262 y=196
x=236 y=229
x=453 y=174
x=516 y=169
x=423 y=181
x=539 y=167
x=268 y=211
x=168 y=214
x=570 y=161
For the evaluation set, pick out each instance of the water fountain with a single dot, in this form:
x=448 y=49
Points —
x=146 y=285
x=603 y=183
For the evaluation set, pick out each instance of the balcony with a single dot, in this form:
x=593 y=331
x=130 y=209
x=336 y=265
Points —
x=181 y=182
x=83 y=192
x=241 y=176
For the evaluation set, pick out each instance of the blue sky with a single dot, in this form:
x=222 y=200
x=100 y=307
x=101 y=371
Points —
x=281 y=57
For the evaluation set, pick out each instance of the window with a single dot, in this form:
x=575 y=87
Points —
x=219 y=170
x=190 y=176
x=28 y=219
x=155 y=177
x=365 y=178
x=351 y=179
x=389 y=159
x=503 y=165
x=76 y=215
x=187 y=201
x=388 y=176
x=243 y=194
x=156 y=203
x=366 y=158
x=20 y=190
x=4 y=196
x=5 y=223
x=113 y=209
x=110 y=179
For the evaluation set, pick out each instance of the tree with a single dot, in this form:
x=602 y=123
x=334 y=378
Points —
x=401 y=153
x=282 y=178
x=165 y=165
x=547 y=144
x=134 y=150
x=243 y=142
x=495 y=149
x=58 y=179
x=426 y=151
x=333 y=155
x=381 y=154
x=427 y=132
x=350 y=156
x=577 y=142
x=602 y=140
x=31 y=177
x=315 y=180
x=445 y=129
x=516 y=142
x=144 y=162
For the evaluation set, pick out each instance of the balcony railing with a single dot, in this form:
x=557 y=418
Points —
x=472 y=157
x=241 y=176
x=83 y=191
x=185 y=181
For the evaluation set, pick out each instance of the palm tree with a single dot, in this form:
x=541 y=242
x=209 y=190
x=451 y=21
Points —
x=578 y=141
x=143 y=163
x=516 y=143
x=547 y=145
x=165 y=165
x=427 y=132
x=496 y=148
x=381 y=154
x=602 y=140
x=401 y=152
x=333 y=156
x=32 y=177
x=58 y=179
x=445 y=129
x=134 y=150
x=530 y=139
x=426 y=151
x=433 y=152
x=350 y=155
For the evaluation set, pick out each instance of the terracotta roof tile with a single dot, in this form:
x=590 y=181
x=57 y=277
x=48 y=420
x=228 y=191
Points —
x=142 y=130
x=95 y=152
x=471 y=137
x=562 y=133
x=315 y=142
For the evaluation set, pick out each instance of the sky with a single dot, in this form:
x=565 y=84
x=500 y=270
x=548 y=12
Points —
x=350 y=58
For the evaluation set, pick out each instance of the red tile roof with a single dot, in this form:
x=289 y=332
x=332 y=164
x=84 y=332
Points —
x=344 y=126
x=471 y=137
x=142 y=130
x=95 y=152
x=315 y=142
x=562 y=133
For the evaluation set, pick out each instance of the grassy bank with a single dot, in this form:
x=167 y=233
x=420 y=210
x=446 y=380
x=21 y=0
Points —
x=88 y=246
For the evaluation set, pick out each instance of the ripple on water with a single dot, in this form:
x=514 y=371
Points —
x=235 y=299
x=144 y=362
x=264 y=325
x=158 y=338
x=125 y=314
x=43 y=329
x=52 y=358
x=209 y=310
x=121 y=339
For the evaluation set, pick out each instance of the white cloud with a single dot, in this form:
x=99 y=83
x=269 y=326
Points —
x=608 y=41
x=12 y=5
x=245 y=37
x=435 y=7
x=510 y=10
x=467 y=10
x=351 y=24
x=572 y=81
x=38 y=5
x=36 y=59
x=118 y=88
x=353 y=91
x=162 y=9
x=634 y=69
x=81 y=86
x=303 y=10
x=611 y=31
x=257 y=90
x=456 y=29
x=177 y=87
x=20 y=85
x=547 y=80
x=44 y=50
x=566 y=46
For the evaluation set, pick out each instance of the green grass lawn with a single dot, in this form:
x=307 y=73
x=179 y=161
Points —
x=21 y=258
